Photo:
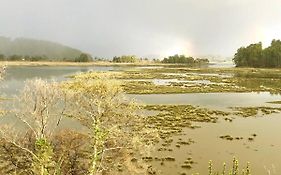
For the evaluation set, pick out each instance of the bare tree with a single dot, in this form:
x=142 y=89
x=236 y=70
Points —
x=116 y=133
x=39 y=107
x=116 y=130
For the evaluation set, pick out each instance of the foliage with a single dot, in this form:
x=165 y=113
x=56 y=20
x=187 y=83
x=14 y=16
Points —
x=2 y=57
x=254 y=56
x=40 y=108
x=125 y=59
x=116 y=131
x=44 y=154
x=84 y=58
x=113 y=131
x=182 y=59
x=36 y=48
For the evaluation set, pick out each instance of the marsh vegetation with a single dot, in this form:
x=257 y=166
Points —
x=136 y=120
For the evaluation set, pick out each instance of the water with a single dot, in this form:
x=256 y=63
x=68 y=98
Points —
x=211 y=100
x=165 y=82
x=263 y=153
x=17 y=75
x=222 y=65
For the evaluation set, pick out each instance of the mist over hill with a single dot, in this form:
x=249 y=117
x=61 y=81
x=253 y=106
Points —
x=32 y=47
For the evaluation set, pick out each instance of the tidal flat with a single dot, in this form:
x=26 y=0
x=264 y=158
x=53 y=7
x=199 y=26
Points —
x=199 y=112
x=167 y=80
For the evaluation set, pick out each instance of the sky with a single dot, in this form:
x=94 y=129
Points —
x=147 y=28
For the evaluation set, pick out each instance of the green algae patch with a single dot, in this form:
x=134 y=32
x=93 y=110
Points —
x=230 y=138
x=173 y=118
x=255 y=111
x=189 y=80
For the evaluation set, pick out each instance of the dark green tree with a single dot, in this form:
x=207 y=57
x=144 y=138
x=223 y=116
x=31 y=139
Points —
x=182 y=59
x=254 y=56
x=2 y=57
x=125 y=59
x=83 y=58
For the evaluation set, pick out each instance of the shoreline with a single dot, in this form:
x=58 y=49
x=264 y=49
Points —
x=61 y=63
x=94 y=63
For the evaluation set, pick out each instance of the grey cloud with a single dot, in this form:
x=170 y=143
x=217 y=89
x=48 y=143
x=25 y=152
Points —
x=144 y=27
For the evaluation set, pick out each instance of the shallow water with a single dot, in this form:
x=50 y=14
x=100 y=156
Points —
x=263 y=153
x=222 y=65
x=211 y=100
x=16 y=75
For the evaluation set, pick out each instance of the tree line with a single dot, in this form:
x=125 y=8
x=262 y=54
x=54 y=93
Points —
x=255 y=56
x=177 y=59
x=182 y=59
x=125 y=59
x=33 y=47
x=83 y=57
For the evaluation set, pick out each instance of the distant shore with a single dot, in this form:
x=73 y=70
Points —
x=94 y=63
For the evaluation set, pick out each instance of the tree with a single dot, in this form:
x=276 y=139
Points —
x=115 y=129
x=254 y=56
x=15 y=58
x=83 y=58
x=182 y=59
x=272 y=54
x=114 y=132
x=40 y=108
x=250 y=56
x=125 y=59
x=2 y=57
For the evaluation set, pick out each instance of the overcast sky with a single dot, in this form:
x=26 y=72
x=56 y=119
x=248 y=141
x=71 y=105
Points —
x=144 y=27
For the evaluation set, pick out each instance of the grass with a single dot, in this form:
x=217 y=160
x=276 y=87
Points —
x=140 y=81
x=173 y=118
x=254 y=111
x=234 y=169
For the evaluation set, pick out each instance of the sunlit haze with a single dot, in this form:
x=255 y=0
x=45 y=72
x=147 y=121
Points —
x=150 y=28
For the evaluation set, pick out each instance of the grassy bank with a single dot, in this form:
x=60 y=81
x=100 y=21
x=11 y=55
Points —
x=167 y=80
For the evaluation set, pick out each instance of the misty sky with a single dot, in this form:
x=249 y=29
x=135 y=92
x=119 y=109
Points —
x=144 y=27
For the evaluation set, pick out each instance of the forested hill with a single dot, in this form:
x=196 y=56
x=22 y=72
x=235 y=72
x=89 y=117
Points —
x=32 y=47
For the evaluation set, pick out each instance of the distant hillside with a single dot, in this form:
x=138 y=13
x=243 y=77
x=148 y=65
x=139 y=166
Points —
x=32 y=47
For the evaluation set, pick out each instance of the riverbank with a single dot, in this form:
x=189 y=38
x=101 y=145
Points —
x=95 y=63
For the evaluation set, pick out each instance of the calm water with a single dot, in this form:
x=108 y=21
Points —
x=263 y=153
x=17 y=75
x=211 y=100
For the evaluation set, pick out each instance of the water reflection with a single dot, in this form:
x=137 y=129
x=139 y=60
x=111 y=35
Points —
x=17 y=75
